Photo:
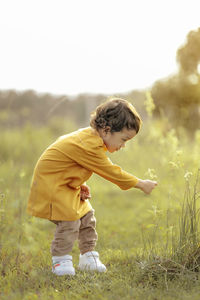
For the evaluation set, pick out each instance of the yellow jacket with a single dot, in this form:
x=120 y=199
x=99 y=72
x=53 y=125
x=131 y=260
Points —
x=63 y=167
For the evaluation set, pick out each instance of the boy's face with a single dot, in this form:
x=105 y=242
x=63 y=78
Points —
x=114 y=141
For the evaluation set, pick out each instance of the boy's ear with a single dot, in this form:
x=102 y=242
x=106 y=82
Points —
x=106 y=129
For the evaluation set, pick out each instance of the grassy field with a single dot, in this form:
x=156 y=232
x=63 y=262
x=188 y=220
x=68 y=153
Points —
x=148 y=243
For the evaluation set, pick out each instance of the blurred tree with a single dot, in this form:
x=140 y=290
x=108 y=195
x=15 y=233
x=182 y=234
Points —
x=19 y=108
x=178 y=97
x=188 y=56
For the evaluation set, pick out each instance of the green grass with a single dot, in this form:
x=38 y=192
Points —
x=148 y=243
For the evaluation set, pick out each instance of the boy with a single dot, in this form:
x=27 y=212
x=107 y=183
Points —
x=58 y=192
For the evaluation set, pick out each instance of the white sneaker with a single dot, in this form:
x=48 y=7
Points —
x=90 y=261
x=62 y=265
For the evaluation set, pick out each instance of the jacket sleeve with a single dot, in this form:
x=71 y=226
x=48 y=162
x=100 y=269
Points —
x=95 y=160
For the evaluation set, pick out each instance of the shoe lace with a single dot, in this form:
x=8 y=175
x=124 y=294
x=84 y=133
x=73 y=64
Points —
x=60 y=262
x=95 y=258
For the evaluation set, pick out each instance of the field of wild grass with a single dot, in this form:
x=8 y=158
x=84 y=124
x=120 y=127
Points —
x=150 y=244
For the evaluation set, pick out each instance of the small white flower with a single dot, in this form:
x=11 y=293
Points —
x=187 y=175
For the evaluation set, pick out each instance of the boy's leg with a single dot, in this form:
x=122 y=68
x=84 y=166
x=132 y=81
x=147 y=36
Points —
x=89 y=259
x=65 y=235
x=87 y=233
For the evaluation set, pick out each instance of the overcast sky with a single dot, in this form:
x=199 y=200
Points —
x=97 y=46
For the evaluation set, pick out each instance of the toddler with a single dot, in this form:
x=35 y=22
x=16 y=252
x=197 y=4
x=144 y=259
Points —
x=58 y=190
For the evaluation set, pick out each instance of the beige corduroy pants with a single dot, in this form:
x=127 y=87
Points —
x=83 y=230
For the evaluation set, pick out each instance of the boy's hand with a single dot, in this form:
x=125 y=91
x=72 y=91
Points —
x=146 y=185
x=85 y=192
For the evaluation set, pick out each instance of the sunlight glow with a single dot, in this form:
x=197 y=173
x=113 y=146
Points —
x=68 y=47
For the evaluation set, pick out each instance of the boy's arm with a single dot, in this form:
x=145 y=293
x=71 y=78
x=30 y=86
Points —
x=96 y=161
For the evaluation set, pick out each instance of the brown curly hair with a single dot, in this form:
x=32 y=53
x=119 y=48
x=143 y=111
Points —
x=116 y=113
